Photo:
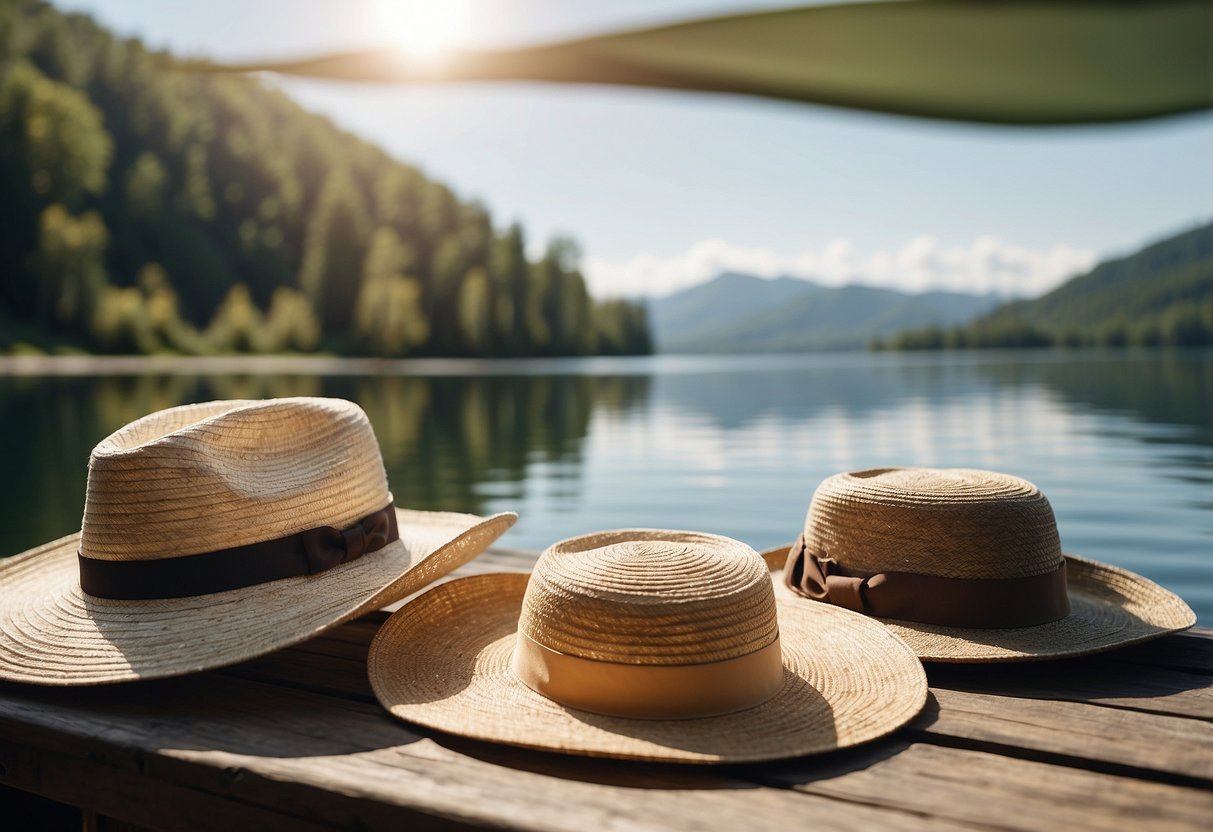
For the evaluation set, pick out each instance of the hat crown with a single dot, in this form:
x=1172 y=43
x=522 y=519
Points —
x=956 y=522
x=217 y=475
x=650 y=597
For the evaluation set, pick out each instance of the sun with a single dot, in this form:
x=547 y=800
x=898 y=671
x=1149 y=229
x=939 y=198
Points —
x=423 y=28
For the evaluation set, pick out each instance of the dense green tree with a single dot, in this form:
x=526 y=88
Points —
x=1182 y=326
x=56 y=131
x=563 y=301
x=509 y=272
x=71 y=266
x=146 y=180
x=262 y=222
x=441 y=308
x=1113 y=333
x=333 y=252
x=475 y=311
x=237 y=324
x=144 y=317
x=290 y=323
x=621 y=328
x=53 y=149
x=389 y=318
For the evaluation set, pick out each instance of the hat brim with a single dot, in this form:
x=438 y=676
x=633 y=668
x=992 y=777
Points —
x=443 y=661
x=51 y=633
x=1110 y=607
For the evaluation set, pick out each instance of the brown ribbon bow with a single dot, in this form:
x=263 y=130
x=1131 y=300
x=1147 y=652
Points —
x=325 y=547
x=985 y=603
x=304 y=553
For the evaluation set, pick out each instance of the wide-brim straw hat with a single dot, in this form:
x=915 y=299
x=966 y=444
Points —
x=966 y=566
x=191 y=516
x=644 y=644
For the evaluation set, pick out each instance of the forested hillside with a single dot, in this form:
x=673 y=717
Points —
x=143 y=210
x=1161 y=295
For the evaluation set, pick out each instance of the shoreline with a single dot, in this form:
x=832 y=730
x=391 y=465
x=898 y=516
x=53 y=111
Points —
x=67 y=366
x=328 y=365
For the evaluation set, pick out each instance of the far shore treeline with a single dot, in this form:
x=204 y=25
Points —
x=1161 y=296
x=149 y=211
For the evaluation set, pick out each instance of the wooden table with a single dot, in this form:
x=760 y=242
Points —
x=296 y=741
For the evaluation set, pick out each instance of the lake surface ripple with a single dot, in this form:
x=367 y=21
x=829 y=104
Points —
x=1120 y=442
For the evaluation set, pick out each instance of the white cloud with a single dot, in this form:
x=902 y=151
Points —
x=986 y=264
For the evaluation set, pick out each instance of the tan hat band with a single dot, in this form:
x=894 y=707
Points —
x=986 y=603
x=303 y=553
x=647 y=691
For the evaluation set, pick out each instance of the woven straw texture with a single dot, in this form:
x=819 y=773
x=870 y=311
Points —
x=52 y=633
x=444 y=660
x=210 y=476
x=650 y=597
x=979 y=524
x=956 y=522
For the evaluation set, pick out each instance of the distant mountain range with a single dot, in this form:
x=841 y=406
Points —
x=743 y=313
x=1160 y=295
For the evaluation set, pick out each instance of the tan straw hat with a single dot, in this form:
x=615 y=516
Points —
x=967 y=566
x=217 y=532
x=644 y=644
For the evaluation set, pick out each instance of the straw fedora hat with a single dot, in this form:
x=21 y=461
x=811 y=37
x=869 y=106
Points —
x=967 y=566
x=644 y=644
x=217 y=532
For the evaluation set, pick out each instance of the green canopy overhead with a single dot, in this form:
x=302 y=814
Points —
x=997 y=61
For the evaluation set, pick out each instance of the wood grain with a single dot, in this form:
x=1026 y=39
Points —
x=1099 y=680
x=1110 y=739
x=332 y=762
x=986 y=788
x=295 y=740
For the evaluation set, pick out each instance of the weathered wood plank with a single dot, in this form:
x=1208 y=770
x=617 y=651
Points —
x=134 y=798
x=335 y=762
x=297 y=737
x=964 y=786
x=979 y=787
x=563 y=794
x=1190 y=651
x=304 y=670
x=1101 y=680
x=1151 y=746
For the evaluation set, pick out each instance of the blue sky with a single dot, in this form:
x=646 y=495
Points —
x=664 y=189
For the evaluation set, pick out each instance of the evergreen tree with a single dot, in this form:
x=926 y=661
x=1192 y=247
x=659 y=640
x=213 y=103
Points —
x=509 y=273
x=389 y=319
x=333 y=252
x=71 y=266
x=237 y=324
x=290 y=322
x=475 y=311
x=139 y=206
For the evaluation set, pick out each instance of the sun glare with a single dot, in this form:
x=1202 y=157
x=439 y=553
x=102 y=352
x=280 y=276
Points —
x=423 y=28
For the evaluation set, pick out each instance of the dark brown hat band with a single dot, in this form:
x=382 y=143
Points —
x=984 y=603
x=303 y=553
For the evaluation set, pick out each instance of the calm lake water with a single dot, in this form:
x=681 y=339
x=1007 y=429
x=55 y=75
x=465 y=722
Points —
x=1121 y=443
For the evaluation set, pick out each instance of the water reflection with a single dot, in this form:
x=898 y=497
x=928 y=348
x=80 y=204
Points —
x=1122 y=444
x=443 y=439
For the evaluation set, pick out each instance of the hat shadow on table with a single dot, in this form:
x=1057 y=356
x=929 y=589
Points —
x=210 y=712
